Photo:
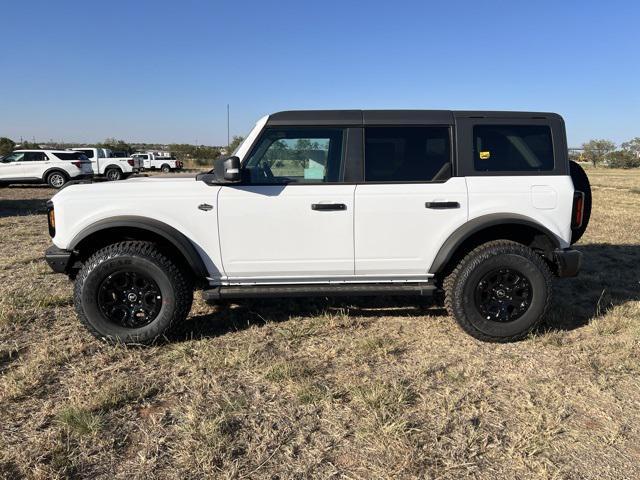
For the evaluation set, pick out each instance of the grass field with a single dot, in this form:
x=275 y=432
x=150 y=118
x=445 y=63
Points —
x=385 y=388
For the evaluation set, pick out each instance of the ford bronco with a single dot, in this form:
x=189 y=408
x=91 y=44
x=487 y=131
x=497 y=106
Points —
x=482 y=207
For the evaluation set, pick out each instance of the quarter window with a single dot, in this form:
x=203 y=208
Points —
x=407 y=154
x=512 y=148
x=70 y=155
x=297 y=156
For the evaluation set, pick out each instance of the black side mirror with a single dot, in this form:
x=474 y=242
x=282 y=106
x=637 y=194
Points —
x=228 y=170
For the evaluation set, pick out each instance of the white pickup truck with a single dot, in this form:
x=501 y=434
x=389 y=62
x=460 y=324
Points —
x=113 y=168
x=152 y=161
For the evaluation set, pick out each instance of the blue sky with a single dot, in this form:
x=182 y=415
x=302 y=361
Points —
x=163 y=71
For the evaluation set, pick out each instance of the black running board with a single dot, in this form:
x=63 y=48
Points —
x=315 y=290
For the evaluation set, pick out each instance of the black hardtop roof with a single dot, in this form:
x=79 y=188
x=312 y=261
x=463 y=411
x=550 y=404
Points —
x=392 y=117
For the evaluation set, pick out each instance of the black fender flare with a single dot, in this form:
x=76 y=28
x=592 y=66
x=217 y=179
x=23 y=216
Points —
x=172 y=235
x=478 y=224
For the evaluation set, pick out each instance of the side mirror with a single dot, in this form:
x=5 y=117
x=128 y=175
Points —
x=228 y=170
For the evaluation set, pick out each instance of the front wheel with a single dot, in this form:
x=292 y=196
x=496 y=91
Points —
x=131 y=293
x=499 y=292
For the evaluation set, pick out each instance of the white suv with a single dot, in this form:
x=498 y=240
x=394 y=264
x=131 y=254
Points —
x=55 y=167
x=482 y=207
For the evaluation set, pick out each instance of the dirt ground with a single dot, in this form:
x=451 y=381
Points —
x=358 y=389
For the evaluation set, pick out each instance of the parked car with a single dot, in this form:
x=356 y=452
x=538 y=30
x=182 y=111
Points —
x=113 y=168
x=55 y=167
x=151 y=161
x=482 y=207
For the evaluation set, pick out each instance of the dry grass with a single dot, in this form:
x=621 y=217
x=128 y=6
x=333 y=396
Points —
x=385 y=388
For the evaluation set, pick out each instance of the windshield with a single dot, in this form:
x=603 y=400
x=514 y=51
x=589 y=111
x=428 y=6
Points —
x=243 y=149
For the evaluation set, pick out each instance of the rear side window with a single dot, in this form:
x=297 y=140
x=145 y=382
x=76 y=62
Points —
x=512 y=148
x=88 y=153
x=34 y=157
x=407 y=154
x=70 y=155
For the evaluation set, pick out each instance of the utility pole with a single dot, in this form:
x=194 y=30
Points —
x=228 y=137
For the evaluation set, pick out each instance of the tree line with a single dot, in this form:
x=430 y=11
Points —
x=603 y=151
x=198 y=153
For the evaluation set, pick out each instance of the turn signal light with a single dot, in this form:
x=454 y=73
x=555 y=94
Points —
x=578 y=209
x=51 y=217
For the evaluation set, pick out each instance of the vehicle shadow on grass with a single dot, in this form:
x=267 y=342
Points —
x=610 y=277
x=22 y=207
x=232 y=316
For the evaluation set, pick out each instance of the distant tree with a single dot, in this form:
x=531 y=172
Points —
x=29 y=146
x=596 y=151
x=6 y=146
x=623 y=159
x=235 y=143
x=116 y=145
x=632 y=146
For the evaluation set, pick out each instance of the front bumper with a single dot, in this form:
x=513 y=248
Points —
x=568 y=262
x=58 y=259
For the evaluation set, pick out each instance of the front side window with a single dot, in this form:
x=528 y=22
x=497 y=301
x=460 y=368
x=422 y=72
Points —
x=512 y=148
x=297 y=156
x=407 y=154
x=14 y=157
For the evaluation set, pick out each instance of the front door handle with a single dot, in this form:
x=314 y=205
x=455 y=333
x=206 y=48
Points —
x=325 y=207
x=442 y=205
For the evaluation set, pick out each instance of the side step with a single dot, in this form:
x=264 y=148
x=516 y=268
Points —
x=315 y=290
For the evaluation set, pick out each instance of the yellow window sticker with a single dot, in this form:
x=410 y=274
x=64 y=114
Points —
x=485 y=155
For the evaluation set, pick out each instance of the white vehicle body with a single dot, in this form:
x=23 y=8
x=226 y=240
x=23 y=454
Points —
x=101 y=161
x=482 y=207
x=153 y=161
x=269 y=234
x=36 y=166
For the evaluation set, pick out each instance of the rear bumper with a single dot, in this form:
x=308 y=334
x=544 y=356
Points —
x=568 y=262
x=58 y=259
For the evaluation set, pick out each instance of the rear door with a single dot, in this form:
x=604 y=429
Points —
x=292 y=218
x=34 y=164
x=409 y=201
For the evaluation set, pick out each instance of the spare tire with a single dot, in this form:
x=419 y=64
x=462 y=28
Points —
x=581 y=183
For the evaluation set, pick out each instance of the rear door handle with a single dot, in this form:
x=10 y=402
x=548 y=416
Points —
x=324 y=207
x=442 y=205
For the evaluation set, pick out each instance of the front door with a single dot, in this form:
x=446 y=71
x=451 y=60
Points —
x=12 y=166
x=291 y=220
x=408 y=204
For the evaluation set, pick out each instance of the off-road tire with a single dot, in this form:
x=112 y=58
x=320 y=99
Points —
x=165 y=168
x=581 y=183
x=460 y=287
x=175 y=285
x=57 y=179
x=113 y=174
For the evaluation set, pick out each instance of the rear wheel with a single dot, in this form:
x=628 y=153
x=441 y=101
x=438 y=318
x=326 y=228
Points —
x=113 y=174
x=499 y=292
x=130 y=292
x=165 y=168
x=56 y=179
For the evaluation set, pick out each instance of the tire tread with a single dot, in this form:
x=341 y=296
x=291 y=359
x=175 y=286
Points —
x=479 y=254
